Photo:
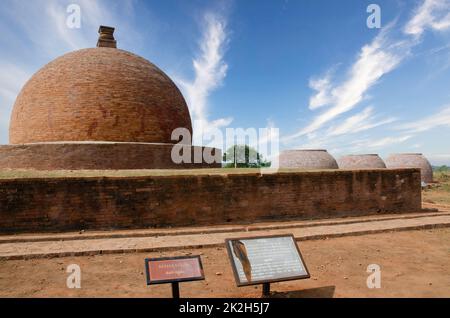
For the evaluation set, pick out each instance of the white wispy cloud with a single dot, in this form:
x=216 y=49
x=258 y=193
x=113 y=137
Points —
x=323 y=87
x=12 y=78
x=406 y=132
x=363 y=145
x=341 y=136
x=441 y=118
x=44 y=24
x=387 y=141
x=210 y=70
x=362 y=121
x=433 y=14
x=376 y=59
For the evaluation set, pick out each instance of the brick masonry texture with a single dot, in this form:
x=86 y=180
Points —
x=98 y=94
x=371 y=161
x=307 y=159
x=101 y=156
x=62 y=204
x=411 y=160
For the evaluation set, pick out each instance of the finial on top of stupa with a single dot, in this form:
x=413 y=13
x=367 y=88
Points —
x=106 y=37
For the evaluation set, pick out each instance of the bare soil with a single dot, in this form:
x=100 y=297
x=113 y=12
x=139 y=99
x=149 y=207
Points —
x=437 y=194
x=413 y=264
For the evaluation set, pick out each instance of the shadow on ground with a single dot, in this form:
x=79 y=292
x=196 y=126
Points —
x=321 y=292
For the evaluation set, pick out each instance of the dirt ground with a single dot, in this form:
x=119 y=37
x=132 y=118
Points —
x=439 y=192
x=413 y=264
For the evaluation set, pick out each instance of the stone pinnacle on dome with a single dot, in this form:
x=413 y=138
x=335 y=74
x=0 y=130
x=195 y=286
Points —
x=106 y=37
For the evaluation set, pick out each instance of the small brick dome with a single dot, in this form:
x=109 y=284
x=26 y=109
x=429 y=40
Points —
x=307 y=159
x=412 y=160
x=98 y=94
x=369 y=161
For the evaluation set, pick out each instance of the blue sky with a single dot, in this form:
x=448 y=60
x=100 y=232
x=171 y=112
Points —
x=311 y=68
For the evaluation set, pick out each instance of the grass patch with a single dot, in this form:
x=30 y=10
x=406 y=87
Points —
x=439 y=193
x=25 y=174
x=37 y=174
x=442 y=176
x=33 y=174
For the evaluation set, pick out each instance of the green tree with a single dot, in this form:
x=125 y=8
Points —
x=443 y=168
x=244 y=156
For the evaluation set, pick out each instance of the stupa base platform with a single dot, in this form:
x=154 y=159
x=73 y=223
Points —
x=100 y=156
x=60 y=201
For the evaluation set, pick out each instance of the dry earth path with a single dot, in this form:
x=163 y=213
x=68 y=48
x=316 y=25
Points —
x=70 y=244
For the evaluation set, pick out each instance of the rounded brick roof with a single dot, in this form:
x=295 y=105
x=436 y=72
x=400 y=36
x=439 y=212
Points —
x=411 y=160
x=368 y=161
x=307 y=159
x=98 y=94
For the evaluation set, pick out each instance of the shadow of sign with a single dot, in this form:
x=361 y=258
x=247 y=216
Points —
x=320 y=292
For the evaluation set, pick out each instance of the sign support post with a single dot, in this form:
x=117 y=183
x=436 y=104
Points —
x=174 y=270
x=175 y=290
x=266 y=289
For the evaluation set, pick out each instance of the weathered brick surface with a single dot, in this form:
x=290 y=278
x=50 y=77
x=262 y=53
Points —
x=307 y=159
x=100 y=203
x=369 y=161
x=411 y=160
x=99 y=94
x=100 y=156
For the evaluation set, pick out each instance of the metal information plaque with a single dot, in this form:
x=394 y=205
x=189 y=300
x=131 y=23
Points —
x=268 y=259
x=173 y=269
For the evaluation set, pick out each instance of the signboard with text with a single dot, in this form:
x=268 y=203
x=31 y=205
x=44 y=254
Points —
x=173 y=269
x=260 y=260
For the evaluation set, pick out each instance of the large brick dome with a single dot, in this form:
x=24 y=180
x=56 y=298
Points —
x=98 y=94
x=412 y=160
x=101 y=109
x=368 y=161
x=307 y=159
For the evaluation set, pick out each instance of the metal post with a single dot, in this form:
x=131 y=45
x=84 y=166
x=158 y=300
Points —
x=175 y=290
x=266 y=290
x=235 y=163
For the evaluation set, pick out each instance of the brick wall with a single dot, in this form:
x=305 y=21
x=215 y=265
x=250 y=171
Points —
x=136 y=202
x=101 y=156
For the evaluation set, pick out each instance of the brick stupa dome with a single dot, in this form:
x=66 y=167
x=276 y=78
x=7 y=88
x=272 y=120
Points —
x=367 y=161
x=412 y=160
x=98 y=94
x=98 y=109
x=307 y=159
